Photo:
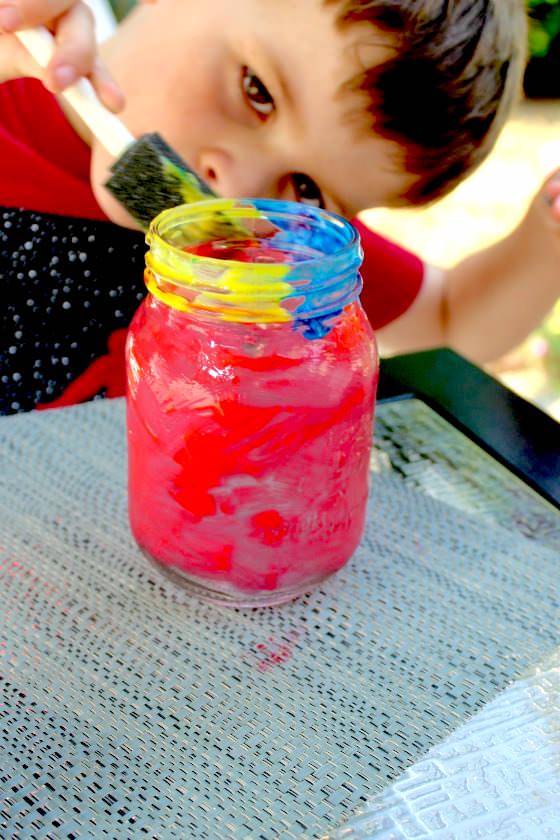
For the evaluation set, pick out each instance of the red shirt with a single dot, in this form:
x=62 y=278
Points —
x=44 y=166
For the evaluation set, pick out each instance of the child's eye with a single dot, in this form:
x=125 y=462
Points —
x=307 y=191
x=256 y=93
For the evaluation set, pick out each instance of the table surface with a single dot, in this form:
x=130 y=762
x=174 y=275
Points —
x=515 y=432
x=131 y=710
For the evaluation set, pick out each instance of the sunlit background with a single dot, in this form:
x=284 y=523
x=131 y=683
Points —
x=483 y=209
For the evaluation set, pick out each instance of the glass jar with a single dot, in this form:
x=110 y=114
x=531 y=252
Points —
x=252 y=371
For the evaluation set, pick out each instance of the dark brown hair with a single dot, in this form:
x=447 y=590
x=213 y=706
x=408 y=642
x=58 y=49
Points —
x=446 y=90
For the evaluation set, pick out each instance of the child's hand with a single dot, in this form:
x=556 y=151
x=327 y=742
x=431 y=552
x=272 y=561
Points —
x=72 y=25
x=539 y=231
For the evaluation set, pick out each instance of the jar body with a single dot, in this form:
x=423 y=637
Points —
x=249 y=449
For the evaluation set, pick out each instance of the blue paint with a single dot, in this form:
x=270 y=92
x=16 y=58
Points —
x=316 y=327
x=326 y=255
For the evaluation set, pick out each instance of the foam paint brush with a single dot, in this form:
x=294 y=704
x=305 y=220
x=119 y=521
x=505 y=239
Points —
x=148 y=175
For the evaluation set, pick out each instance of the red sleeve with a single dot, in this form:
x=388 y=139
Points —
x=44 y=164
x=392 y=277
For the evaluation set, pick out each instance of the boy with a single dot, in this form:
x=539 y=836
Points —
x=342 y=103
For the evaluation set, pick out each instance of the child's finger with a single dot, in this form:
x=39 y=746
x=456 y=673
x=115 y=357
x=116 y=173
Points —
x=553 y=185
x=106 y=88
x=76 y=56
x=555 y=207
x=552 y=194
x=75 y=50
x=19 y=14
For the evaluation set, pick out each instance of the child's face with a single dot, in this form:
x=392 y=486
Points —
x=247 y=92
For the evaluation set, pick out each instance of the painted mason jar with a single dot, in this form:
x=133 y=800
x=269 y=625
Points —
x=252 y=372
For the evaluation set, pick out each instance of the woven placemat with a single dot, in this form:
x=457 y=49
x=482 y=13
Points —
x=131 y=710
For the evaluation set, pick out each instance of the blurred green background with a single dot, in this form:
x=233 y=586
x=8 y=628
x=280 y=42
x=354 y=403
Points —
x=542 y=78
x=121 y=7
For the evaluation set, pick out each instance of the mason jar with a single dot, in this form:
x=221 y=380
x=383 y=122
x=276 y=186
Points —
x=252 y=372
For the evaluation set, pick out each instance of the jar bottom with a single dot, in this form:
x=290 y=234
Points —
x=225 y=595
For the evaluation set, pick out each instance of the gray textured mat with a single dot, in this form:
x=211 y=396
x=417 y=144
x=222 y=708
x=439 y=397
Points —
x=129 y=709
x=496 y=777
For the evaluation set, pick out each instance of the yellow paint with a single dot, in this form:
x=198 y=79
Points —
x=174 y=301
x=232 y=291
x=173 y=268
x=268 y=291
x=231 y=294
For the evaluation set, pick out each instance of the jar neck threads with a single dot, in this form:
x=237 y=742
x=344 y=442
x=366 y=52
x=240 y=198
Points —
x=254 y=261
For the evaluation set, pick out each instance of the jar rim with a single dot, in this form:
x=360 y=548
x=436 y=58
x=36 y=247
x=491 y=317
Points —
x=244 y=208
x=308 y=267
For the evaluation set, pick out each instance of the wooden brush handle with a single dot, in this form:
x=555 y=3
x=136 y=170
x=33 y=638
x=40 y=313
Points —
x=108 y=129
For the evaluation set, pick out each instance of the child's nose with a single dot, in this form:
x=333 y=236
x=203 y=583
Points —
x=231 y=177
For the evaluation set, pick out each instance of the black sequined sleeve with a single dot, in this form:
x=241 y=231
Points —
x=68 y=285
